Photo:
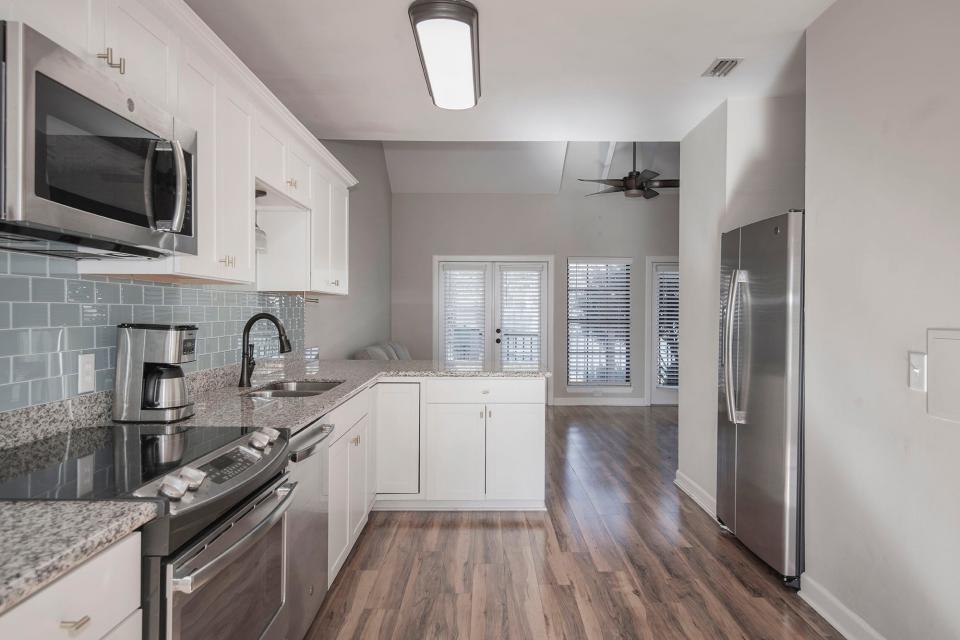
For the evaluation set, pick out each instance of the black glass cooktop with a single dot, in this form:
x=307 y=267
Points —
x=101 y=463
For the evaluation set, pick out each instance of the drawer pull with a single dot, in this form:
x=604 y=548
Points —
x=75 y=625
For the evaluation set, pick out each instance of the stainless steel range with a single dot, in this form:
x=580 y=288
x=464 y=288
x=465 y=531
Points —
x=214 y=561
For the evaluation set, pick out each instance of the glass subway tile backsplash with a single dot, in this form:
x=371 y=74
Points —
x=49 y=315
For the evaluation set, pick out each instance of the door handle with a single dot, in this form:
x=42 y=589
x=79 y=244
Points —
x=738 y=276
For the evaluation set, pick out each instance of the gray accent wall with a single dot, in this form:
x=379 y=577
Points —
x=565 y=224
x=340 y=325
x=49 y=316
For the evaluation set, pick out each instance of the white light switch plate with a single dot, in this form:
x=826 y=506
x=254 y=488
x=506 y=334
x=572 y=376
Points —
x=917 y=370
x=87 y=380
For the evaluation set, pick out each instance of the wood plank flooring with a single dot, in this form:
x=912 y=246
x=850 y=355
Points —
x=620 y=553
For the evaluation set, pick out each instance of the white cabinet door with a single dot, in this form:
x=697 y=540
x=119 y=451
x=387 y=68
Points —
x=370 y=461
x=235 y=186
x=515 y=451
x=197 y=108
x=270 y=152
x=339 y=239
x=358 y=475
x=320 y=234
x=148 y=48
x=398 y=437
x=455 y=451
x=338 y=526
x=297 y=181
x=76 y=25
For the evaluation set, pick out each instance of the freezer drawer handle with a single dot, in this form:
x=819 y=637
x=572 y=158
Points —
x=189 y=584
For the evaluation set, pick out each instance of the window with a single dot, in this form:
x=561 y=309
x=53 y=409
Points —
x=463 y=315
x=492 y=315
x=667 y=336
x=598 y=322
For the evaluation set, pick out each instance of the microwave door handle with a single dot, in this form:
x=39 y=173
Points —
x=148 y=185
x=180 y=207
x=196 y=579
x=728 y=346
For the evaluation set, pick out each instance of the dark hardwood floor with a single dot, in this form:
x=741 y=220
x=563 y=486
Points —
x=620 y=553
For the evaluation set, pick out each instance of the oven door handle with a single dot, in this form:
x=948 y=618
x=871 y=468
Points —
x=203 y=575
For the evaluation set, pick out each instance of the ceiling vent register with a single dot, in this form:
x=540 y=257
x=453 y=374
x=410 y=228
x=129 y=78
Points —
x=721 y=67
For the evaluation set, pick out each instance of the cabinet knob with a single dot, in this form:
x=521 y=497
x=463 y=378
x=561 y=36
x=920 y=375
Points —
x=292 y=183
x=75 y=625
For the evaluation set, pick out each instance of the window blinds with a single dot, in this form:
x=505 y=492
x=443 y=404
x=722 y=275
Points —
x=598 y=322
x=668 y=327
x=520 y=310
x=463 y=316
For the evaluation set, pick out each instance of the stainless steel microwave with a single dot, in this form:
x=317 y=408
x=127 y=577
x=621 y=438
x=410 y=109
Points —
x=90 y=170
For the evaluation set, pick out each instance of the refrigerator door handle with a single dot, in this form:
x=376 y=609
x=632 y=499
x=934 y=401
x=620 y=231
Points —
x=733 y=294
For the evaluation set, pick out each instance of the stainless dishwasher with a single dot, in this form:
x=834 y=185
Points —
x=307 y=527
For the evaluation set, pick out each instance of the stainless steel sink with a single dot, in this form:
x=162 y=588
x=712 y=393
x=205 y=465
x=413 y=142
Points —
x=293 y=389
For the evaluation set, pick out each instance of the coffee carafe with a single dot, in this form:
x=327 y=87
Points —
x=150 y=385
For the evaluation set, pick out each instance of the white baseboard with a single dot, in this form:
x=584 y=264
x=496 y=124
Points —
x=697 y=493
x=459 y=505
x=607 y=401
x=849 y=624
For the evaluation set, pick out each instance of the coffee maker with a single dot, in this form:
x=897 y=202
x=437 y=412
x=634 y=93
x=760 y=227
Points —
x=150 y=385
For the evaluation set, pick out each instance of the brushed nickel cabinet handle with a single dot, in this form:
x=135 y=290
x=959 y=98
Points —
x=122 y=65
x=107 y=55
x=75 y=625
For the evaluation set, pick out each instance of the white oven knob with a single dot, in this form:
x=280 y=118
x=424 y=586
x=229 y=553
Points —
x=273 y=434
x=173 y=487
x=194 y=477
x=259 y=440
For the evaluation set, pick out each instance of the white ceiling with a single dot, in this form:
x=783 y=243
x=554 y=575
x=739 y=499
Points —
x=518 y=167
x=550 y=69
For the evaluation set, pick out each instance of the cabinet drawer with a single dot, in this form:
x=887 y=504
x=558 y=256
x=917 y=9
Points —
x=106 y=589
x=483 y=390
x=348 y=414
x=129 y=629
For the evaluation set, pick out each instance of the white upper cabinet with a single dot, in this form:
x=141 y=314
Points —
x=269 y=154
x=298 y=176
x=235 y=185
x=74 y=24
x=147 y=49
x=339 y=239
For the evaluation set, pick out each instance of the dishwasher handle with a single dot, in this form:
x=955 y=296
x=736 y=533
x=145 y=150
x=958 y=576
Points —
x=307 y=442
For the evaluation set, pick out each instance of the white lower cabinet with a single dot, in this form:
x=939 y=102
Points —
x=398 y=438
x=455 y=451
x=358 y=475
x=129 y=629
x=93 y=600
x=338 y=524
x=515 y=451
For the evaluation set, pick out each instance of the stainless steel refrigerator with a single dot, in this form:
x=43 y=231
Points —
x=760 y=423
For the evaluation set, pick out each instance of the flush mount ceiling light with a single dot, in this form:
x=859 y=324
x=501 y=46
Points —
x=446 y=35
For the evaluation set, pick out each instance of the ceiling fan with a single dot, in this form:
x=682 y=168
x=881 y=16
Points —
x=635 y=184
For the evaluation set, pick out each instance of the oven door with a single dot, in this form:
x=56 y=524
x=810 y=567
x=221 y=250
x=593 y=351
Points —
x=232 y=582
x=94 y=160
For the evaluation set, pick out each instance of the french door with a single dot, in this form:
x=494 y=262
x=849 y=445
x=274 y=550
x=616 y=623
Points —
x=492 y=316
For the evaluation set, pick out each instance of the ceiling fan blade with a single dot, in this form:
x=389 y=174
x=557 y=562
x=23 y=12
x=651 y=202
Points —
x=647 y=174
x=607 y=190
x=650 y=193
x=664 y=184
x=609 y=182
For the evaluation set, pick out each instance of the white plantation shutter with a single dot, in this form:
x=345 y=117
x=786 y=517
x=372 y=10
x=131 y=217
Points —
x=520 y=317
x=598 y=322
x=668 y=326
x=463 y=316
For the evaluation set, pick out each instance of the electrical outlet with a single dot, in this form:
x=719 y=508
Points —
x=917 y=379
x=88 y=378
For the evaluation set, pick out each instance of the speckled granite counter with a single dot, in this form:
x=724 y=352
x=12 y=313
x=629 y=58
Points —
x=227 y=406
x=44 y=540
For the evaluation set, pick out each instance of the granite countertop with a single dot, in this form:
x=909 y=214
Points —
x=44 y=540
x=227 y=406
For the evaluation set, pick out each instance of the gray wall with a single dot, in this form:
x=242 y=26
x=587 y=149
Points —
x=562 y=225
x=49 y=316
x=883 y=263
x=339 y=325
x=743 y=163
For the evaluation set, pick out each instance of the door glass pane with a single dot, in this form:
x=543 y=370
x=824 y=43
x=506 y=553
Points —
x=668 y=326
x=91 y=159
x=463 y=317
x=520 y=321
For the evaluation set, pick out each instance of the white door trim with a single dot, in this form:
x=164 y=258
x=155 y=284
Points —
x=651 y=265
x=549 y=259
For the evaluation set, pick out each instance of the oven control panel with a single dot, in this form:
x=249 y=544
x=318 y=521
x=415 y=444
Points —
x=228 y=465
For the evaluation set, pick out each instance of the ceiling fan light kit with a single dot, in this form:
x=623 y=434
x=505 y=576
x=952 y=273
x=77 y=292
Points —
x=636 y=184
x=446 y=35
